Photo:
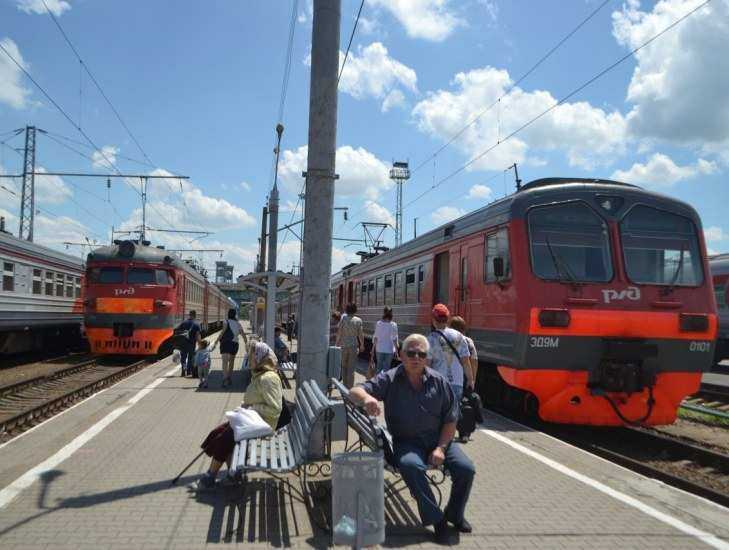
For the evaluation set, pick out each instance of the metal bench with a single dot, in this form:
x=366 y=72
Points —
x=376 y=437
x=289 y=449
x=287 y=372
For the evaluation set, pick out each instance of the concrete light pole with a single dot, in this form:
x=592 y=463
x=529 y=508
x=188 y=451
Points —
x=320 y=176
x=272 y=243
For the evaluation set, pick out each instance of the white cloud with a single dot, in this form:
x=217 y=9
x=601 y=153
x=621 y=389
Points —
x=587 y=135
x=394 y=99
x=361 y=174
x=427 y=19
x=245 y=186
x=492 y=9
x=374 y=212
x=50 y=189
x=12 y=91
x=341 y=257
x=661 y=171
x=105 y=158
x=714 y=233
x=57 y=7
x=678 y=87
x=479 y=192
x=445 y=214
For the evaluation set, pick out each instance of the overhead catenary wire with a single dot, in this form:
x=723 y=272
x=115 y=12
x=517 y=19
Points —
x=511 y=88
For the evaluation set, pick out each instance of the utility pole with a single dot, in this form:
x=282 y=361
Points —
x=27 y=201
x=272 y=243
x=318 y=213
x=415 y=228
x=400 y=172
x=262 y=250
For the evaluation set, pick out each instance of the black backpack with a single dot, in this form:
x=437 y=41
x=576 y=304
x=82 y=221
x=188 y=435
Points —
x=467 y=419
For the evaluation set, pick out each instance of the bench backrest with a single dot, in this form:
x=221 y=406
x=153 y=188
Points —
x=310 y=405
x=365 y=426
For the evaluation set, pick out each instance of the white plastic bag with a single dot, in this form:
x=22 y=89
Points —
x=247 y=424
x=176 y=357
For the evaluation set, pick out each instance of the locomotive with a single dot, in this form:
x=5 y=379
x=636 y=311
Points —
x=136 y=294
x=40 y=296
x=720 y=273
x=589 y=300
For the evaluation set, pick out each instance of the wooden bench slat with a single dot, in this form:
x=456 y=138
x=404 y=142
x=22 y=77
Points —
x=287 y=454
x=273 y=452
x=253 y=452
x=263 y=462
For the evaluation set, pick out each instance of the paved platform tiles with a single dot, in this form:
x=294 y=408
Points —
x=113 y=490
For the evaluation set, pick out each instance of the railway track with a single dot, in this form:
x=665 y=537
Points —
x=711 y=399
x=26 y=403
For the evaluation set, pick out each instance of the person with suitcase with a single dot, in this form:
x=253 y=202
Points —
x=228 y=339
x=189 y=331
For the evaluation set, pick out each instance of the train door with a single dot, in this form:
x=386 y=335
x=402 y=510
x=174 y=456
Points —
x=441 y=274
x=340 y=298
x=469 y=274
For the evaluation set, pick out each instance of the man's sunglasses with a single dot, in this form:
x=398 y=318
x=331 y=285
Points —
x=412 y=353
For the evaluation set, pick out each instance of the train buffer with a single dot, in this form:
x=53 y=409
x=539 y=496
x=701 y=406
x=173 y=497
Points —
x=99 y=475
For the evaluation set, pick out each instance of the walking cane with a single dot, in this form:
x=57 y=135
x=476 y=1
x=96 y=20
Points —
x=174 y=481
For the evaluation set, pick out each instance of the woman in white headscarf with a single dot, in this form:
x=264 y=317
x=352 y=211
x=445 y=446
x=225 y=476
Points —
x=265 y=393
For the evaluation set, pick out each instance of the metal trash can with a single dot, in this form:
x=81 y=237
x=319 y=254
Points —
x=358 y=499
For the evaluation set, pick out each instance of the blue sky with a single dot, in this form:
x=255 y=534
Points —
x=199 y=86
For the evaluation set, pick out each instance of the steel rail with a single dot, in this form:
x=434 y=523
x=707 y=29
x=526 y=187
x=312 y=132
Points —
x=49 y=407
x=16 y=387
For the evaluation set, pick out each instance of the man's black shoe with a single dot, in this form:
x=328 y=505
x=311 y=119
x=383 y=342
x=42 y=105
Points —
x=442 y=536
x=462 y=527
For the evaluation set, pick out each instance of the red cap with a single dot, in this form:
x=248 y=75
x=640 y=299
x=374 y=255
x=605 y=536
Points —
x=441 y=312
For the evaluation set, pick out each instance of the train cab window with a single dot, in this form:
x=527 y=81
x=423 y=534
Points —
x=410 y=296
x=8 y=276
x=37 y=281
x=69 y=286
x=388 y=290
x=140 y=276
x=49 y=283
x=106 y=275
x=569 y=242
x=660 y=248
x=497 y=246
x=59 y=284
x=398 y=288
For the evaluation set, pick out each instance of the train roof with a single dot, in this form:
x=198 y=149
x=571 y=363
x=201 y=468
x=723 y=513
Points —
x=539 y=191
x=43 y=253
x=719 y=264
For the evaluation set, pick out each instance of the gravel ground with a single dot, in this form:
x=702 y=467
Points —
x=19 y=373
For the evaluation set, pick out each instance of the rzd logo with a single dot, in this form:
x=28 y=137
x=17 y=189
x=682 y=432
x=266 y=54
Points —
x=124 y=291
x=630 y=293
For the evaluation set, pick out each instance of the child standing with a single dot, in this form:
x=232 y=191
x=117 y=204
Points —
x=202 y=362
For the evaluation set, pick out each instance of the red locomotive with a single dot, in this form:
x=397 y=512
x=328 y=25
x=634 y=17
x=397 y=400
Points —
x=589 y=301
x=137 y=294
x=720 y=273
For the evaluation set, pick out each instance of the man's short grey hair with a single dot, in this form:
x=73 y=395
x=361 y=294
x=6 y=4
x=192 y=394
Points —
x=415 y=338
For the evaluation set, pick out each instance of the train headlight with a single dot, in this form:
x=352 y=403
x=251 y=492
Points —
x=554 y=318
x=693 y=322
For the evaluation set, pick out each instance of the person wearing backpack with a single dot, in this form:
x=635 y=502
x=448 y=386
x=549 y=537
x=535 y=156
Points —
x=189 y=331
x=228 y=339
x=448 y=353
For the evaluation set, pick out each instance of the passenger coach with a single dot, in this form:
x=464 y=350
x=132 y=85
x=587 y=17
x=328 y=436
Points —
x=590 y=301
x=720 y=273
x=137 y=294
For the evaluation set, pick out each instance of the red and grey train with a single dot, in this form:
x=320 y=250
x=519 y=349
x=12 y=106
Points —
x=136 y=295
x=590 y=301
x=720 y=272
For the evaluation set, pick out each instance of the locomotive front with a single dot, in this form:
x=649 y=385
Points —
x=131 y=297
x=618 y=320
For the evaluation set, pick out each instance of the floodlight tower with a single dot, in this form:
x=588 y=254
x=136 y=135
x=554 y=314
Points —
x=400 y=172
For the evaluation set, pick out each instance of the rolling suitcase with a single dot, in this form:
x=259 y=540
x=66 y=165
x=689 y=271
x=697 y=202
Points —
x=467 y=419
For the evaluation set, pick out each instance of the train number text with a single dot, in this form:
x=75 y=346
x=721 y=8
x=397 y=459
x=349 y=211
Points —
x=544 y=341
x=703 y=347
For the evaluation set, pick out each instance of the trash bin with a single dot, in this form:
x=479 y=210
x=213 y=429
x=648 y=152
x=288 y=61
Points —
x=358 y=499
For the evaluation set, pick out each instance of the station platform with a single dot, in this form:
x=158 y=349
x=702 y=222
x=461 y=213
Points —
x=98 y=476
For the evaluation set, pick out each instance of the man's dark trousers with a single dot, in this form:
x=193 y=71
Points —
x=187 y=358
x=412 y=460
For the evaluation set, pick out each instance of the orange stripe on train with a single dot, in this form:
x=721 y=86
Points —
x=125 y=305
x=622 y=324
x=144 y=342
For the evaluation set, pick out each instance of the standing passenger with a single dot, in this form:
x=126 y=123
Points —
x=202 y=362
x=190 y=332
x=351 y=339
x=459 y=324
x=228 y=339
x=384 y=342
x=448 y=352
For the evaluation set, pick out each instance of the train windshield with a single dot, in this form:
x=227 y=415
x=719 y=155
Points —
x=147 y=276
x=569 y=242
x=660 y=248
x=106 y=275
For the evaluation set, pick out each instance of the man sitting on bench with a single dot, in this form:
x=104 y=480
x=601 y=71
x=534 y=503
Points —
x=421 y=414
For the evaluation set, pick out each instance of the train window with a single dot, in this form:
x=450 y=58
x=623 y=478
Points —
x=660 y=248
x=380 y=289
x=398 y=288
x=37 y=281
x=140 y=276
x=49 y=283
x=497 y=246
x=357 y=295
x=410 y=295
x=77 y=286
x=69 y=286
x=421 y=282
x=569 y=242
x=389 y=297
x=363 y=293
x=59 y=284
x=371 y=293
x=8 y=276
x=106 y=275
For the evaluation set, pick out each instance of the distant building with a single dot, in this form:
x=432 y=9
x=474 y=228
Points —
x=223 y=272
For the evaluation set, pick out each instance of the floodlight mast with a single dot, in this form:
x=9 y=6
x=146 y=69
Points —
x=400 y=172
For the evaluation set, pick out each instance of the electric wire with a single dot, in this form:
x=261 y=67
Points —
x=512 y=87
x=351 y=37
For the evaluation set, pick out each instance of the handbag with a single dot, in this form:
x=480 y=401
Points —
x=284 y=419
x=247 y=424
